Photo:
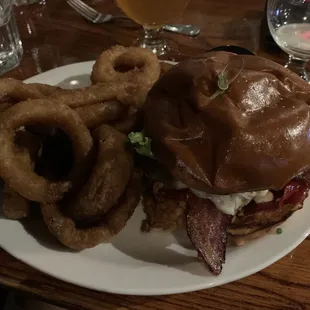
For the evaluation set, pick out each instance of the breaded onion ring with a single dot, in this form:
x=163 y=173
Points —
x=143 y=65
x=14 y=206
x=21 y=176
x=109 y=176
x=64 y=228
x=126 y=93
x=5 y=105
x=100 y=113
x=19 y=90
x=132 y=122
x=48 y=90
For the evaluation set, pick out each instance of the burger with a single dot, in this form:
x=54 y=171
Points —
x=227 y=140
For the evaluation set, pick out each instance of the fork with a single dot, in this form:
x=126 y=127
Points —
x=98 y=18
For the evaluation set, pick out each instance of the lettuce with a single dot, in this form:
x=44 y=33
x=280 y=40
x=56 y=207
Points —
x=141 y=144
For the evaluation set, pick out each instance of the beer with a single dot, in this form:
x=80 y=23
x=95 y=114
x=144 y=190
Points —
x=152 y=13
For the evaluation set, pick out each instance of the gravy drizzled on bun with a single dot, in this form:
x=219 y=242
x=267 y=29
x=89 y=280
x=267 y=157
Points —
x=247 y=147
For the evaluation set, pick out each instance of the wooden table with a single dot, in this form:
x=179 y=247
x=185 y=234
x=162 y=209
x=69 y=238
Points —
x=54 y=35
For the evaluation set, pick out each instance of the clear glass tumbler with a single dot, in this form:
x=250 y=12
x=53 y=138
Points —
x=289 y=24
x=11 y=49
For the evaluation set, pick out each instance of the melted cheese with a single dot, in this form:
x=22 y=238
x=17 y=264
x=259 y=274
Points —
x=230 y=204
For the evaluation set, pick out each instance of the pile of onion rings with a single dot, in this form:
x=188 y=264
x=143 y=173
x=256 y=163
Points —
x=93 y=200
x=65 y=152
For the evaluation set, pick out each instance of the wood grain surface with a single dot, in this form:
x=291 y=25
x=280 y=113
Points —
x=54 y=35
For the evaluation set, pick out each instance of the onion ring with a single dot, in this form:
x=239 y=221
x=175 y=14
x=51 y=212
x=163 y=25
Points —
x=64 y=228
x=126 y=93
x=19 y=90
x=5 y=105
x=132 y=122
x=109 y=176
x=19 y=175
x=14 y=206
x=145 y=66
x=100 y=113
x=48 y=90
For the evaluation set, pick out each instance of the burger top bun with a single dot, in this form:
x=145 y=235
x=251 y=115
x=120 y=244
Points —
x=254 y=136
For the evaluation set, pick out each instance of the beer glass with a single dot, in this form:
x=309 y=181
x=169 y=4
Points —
x=152 y=15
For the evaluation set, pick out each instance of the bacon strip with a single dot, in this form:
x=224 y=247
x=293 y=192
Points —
x=295 y=192
x=207 y=229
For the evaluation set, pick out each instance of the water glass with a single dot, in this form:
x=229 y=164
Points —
x=11 y=49
x=289 y=24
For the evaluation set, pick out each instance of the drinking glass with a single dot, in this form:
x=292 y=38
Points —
x=289 y=24
x=11 y=49
x=23 y=2
x=153 y=15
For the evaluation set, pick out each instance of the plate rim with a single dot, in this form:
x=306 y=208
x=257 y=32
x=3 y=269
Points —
x=172 y=291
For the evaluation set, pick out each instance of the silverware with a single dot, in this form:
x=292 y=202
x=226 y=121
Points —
x=98 y=18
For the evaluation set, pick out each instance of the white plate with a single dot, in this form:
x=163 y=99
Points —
x=136 y=263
